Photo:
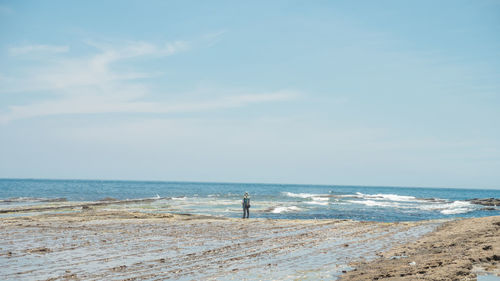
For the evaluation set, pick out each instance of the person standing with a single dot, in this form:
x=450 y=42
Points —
x=246 y=205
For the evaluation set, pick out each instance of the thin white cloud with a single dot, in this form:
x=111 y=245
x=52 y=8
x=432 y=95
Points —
x=91 y=85
x=124 y=104
x=138 y=48
x=22 y=50
x=214 y=35
x=66 y=73
x=213 y=38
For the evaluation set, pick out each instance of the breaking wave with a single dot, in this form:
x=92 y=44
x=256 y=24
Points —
x=321 y=203
x=279 y=210
x=444 y=207
x=391 y=197
x=316 y=199
x=455 y=207
x=305 y=195
x=382 y=200
x=373 y=203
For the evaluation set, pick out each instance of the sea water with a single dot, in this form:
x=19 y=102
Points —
x=277 y=201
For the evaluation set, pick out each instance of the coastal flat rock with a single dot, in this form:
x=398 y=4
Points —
x=99 y=244
x=486 y=201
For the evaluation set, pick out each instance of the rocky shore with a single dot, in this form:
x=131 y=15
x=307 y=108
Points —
x=492 y=202
x=457 y=250
x=96 y=243
x=102 y=244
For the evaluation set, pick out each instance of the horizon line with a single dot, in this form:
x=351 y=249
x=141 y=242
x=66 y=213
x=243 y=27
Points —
x=254 y=183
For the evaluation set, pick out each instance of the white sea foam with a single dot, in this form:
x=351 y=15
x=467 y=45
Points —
x=305 y=195
x=391 y=197
x=446 y=208
x=279 y=210
x=322 y=203
x=179 y=198
x=372 y=203
x=455 y=207
x=455 y=211
x=317 y=199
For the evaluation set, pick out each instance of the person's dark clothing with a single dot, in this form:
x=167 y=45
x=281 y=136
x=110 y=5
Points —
x=246 y=212
x=246 y=207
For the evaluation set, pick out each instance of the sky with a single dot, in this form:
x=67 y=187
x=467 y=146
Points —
x=387 y=93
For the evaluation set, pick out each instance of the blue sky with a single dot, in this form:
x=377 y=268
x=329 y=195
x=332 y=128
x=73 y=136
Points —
x=322 y=92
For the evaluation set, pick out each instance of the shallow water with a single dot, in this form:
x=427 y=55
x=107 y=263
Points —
x=488 y=278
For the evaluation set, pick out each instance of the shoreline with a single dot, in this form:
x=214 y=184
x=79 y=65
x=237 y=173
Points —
x=95 y=243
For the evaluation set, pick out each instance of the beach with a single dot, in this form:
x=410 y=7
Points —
x=95 y=243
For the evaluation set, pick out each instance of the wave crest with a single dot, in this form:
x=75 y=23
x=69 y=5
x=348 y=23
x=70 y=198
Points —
x=282 y=209
x=455 y=207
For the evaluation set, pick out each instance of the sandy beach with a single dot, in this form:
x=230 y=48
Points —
x=98 y=244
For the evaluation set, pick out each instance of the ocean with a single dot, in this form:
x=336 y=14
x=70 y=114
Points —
x=276 y=201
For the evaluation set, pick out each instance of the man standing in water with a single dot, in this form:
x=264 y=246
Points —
x=246 y=205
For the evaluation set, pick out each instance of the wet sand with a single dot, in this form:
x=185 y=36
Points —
x=100 y=244
x=95 y=243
